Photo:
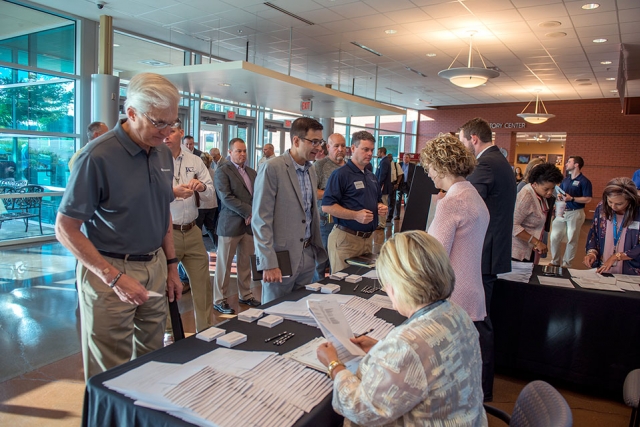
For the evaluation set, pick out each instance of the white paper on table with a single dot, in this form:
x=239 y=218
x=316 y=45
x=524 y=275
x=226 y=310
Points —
x=371 y=274
x=627 y=278
x=556 y=281
x=595 y=284
x=382 y=301
x=307 y=355
x=591 y=276
x=150 y=381
x=339 y=298
x=627 y=286
x=232 y=362
x=334 y=324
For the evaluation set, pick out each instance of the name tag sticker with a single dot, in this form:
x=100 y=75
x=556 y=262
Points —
x=575 y=183
x=359 y=185
x=635 y=225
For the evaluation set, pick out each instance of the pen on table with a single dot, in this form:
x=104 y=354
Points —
x=356 y=287
x=364 y=333
x=277 y=336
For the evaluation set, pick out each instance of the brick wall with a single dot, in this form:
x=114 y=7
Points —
x=608 y=141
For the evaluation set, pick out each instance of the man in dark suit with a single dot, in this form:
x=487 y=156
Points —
x=408 y=170
x=383 y=173
x=493 y=178
x=234 y=185
x=191 y=145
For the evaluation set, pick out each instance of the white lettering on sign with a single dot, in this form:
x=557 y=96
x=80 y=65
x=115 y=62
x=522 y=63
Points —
x=507 y=125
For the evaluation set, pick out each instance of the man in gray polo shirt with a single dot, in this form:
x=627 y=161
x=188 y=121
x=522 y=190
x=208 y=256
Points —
x=115 y=219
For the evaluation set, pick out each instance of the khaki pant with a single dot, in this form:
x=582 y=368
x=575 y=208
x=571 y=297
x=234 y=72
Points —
x=242 y=247
x=568 y=227
x=382 y=220
x=342 y=245
x=191 y=252
x=115 y=332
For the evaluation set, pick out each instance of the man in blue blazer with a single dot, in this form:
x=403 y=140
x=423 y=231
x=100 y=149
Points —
x=285 y=213
x=493 y=178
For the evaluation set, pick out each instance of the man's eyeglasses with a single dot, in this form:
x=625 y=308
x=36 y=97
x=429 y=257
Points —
x=315 y=142
x=162 y=125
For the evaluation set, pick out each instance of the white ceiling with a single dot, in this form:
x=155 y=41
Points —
x=510 y=35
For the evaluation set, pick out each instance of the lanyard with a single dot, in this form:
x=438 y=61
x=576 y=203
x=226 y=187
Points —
x=423 y=310
x=617 y=231
x=177 y=177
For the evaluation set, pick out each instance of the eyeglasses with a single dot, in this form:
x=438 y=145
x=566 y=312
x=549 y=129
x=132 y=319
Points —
x=315 y=142
x=162 y=125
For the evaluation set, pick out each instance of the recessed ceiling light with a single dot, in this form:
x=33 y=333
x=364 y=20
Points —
x=590 y=6
x=556 y=35
x=116 y=45
x=600 y=40
x=390 y=31
x=224 y=84
x=549 y=24
x=582 y=80
x=154 y=62
x=610 y=79
x=584 y=84
x=430 y=55
x=614 y=91
x=605 y=62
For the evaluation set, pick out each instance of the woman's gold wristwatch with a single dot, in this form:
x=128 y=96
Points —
x=619 y=256
x=333 y=365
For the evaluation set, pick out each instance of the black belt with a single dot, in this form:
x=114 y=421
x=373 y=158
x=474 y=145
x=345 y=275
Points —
x=363 y=234
x=128 y=257
x=306 y=244
x=184 y=227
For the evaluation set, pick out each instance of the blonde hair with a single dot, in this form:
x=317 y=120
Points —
x=417 y=267
x=532 y=164
x=447 y=156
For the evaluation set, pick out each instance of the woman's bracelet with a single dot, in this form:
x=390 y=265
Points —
x=593 y=252
x=333 y=365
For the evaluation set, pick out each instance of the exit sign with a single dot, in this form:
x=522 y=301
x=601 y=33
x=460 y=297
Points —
x=287 y=123
x=306 y=105
x=231 y=115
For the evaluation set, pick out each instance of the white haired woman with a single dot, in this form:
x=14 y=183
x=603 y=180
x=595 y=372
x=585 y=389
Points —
x=427 y=371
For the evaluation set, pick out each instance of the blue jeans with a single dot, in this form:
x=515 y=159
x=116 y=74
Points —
x=325 y=230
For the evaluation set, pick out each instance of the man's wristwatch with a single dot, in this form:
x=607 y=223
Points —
x=333 y=365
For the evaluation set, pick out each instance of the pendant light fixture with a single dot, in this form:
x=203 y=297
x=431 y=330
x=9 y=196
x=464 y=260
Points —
x=470 y=76
x=536 y=117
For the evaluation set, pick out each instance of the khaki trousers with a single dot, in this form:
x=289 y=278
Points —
x=242 y=247
x=568 y=227
x=115 y=332
x=191 y=252
x=342 y=245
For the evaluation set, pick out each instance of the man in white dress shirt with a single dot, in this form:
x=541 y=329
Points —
x=191 y=182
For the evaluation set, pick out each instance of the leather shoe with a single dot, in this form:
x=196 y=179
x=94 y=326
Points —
x=224 y=308
x=250 y=301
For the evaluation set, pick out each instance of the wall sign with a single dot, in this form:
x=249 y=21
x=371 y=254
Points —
x=306 y=105
x=507 y=125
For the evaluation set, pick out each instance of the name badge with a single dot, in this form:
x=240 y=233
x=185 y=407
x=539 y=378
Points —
x=575 y=183
x=635 y=225
x=359 y=185
x=189 y=169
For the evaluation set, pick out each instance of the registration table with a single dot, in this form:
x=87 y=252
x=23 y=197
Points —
x=105 y=407
x=587 y=338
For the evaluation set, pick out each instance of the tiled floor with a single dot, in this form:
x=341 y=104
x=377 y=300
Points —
x=41 y=378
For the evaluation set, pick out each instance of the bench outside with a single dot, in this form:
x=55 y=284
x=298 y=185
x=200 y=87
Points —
x=21 y=207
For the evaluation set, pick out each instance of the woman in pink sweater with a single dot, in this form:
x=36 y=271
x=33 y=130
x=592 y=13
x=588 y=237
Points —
x=461 y=219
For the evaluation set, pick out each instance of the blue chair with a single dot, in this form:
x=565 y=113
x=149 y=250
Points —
x=538 y=405
x=631 y=394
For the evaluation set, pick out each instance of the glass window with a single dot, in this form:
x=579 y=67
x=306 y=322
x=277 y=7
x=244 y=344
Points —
x=391 y=141
x=36 y=102
x=392 y=123
x=364 y=122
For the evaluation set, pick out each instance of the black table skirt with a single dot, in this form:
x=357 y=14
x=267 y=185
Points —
x=104 y=407
x=586 y=338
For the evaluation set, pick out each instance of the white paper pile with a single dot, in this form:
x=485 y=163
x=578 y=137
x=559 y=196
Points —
x=520 y=272
x=353 y=278
x=330 y=288
x=338 y=276
x=382 y=301
x=270 y=321
x=250 y=315
x=315 y=287
x=210 y=334
x=231 y=339
x=556 y=281
x=627 y=282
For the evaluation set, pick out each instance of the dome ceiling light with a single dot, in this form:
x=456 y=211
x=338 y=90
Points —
x=470 y=76
x=536 y=117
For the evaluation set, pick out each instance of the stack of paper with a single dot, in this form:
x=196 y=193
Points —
x=313 y=287
x=250 y=315
x=330 y=288
x=627 y=282
x=354 y=278
x=589 y=279
x=210 y=334
x=270 y=321
x=338 y=276
x=520 y=272
x=382 y=301
x=555 y=281
x=231 y=339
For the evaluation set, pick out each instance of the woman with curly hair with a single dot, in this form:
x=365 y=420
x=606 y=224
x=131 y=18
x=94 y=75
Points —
x=461 y=219
x=613 y=244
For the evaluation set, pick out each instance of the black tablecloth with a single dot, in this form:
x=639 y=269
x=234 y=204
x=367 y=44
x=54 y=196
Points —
x=104 y=407
x=586 y=338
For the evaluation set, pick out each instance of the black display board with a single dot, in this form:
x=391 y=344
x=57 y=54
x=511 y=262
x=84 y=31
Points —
x=417 y=210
